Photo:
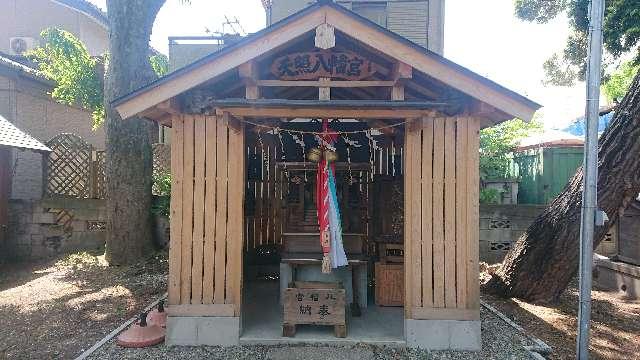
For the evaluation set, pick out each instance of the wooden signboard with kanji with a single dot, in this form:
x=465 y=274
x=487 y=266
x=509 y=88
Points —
x=313 y=65
x=314 y=303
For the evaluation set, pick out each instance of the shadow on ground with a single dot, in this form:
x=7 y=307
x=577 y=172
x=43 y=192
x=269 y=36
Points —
x=615 y=327
x=58 y=308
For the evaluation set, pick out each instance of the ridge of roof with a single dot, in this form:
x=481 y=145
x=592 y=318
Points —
x=302 y=13
x=88 y=9
x=28 y=71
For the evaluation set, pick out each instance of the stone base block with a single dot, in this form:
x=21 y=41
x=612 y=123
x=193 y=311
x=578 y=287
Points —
x=443 y=334
x=618 y=276
x=200 y=330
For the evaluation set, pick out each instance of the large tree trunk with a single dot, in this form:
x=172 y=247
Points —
x=128 y=147
x=542 y=262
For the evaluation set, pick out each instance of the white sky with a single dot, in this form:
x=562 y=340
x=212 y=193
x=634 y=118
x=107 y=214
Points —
x=484 y=36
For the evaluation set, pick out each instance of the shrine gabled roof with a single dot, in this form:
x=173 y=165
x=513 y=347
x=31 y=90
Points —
x=346 y=21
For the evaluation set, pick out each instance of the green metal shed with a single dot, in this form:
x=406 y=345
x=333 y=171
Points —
x=545 y=168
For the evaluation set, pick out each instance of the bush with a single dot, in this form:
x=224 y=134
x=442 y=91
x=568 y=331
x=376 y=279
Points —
x=162 y=190
x=490 y=196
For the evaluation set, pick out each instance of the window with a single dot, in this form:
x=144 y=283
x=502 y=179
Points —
x=374 y=11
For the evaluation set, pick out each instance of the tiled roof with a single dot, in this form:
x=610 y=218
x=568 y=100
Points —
x=7 y=62
x=88 y=9
x=11 y=136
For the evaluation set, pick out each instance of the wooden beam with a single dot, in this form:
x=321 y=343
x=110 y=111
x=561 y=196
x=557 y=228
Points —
x=326 y=83
x=426 y=313
x=292 y=112
x=423 y=90
x=224 y=310
x=325 y=36
x=401 y=71
x=170 y=106
x=234 y=124
x=165 y=119
x=377 y=123
x=249 y=75
x=324 y=92
x=397 y=92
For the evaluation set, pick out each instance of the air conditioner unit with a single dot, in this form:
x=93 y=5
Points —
x=19 y=45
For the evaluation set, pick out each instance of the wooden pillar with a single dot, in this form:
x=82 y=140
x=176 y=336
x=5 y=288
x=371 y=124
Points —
x=249 y=74
x=400 y=74
x=441 y=218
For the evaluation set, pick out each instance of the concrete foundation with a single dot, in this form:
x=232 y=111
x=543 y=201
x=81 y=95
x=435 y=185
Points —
x=443 y=334
x=262 y=317
x=199 y=330
x=617 y=276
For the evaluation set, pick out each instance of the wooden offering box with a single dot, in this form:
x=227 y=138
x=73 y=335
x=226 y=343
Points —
x=315 y=303
x=389 y=284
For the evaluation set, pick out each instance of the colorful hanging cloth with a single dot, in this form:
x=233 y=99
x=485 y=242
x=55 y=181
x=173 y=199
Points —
x=333 y=254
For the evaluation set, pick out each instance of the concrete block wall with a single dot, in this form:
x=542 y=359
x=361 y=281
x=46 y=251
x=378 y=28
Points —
x=34 y=233
x=502 y=225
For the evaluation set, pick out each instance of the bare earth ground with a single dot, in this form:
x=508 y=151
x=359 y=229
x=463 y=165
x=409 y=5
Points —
x=615 y=326
x=57 y=309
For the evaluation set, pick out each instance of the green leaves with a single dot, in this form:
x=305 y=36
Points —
x=159 y=64
x=621 y=33
x=79 y=76
x=65 y=60
x=539 y=11
x=497 y=144
x=619 y=82
x=162 y=189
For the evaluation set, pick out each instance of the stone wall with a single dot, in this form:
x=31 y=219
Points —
x=43 y=228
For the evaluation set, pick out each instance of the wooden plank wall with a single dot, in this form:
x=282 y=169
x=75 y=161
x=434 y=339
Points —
x=263 y=225
x=207 y=207
x=441 y=218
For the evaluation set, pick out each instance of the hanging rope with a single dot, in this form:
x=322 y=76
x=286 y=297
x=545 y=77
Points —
x=319 y=133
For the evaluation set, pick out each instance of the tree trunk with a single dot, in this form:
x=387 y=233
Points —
x=128 y=145
x=542 y=262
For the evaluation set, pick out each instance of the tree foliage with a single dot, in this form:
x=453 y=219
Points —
x=497 y=144
x=79 y=76
x=619 y=82
x=65 y=60
x=621 y=33
x=159 y=64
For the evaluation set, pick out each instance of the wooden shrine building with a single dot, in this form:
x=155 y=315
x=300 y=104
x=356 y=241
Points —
x=244 y=120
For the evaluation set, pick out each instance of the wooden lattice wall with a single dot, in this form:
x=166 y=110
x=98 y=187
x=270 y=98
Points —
x=266 y=187
x=205 y=257
x=441 y=219
x=69 y=167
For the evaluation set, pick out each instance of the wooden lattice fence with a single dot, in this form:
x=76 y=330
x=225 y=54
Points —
x=69 y=167
x=76 y=169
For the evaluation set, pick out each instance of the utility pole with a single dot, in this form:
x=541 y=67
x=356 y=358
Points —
x=590 y=177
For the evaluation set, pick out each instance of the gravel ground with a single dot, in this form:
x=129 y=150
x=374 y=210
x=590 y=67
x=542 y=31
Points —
x=499 y=341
